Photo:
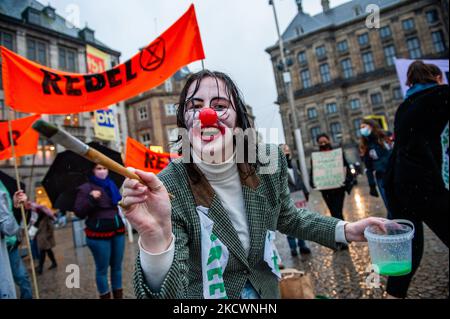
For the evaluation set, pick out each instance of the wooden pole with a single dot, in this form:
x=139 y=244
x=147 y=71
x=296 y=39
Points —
x=22 y=209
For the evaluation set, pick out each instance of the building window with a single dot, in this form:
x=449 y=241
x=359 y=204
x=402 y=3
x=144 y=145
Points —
x=142 y=113
x=6 y=39
x=368 y=62
x=414 y=50
x=385 y=32
x=37 y=51
x=363 y=39
x=357 y=10
x=408 y=24
x=67 y=59
x=356 y=127
x=342 y=46
x=145 y=139
x=389 y=54
x=321 y=51
x=172 y=134
x=312 y=113
x=376 y=98
x=34 y=16
x=432 y=16
x=336 y=131
x=347 y=68
x=2 y=110
x=397 y=93
x=315 y=131
x=355 y=104
x=171 y=109
x=306 y=78
x=438 y=41
x=302 y=57
x=331 y=108
x=168 y=85
x=325 y=73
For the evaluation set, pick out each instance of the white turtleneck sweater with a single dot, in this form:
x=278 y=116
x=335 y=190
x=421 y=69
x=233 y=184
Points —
x=224 y=179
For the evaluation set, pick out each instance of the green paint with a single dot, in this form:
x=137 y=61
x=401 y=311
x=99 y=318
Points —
x=275 y=261
x=214 y=271
x=394 y=268
x=214 y=287
x=213 y=237
x=214 y=253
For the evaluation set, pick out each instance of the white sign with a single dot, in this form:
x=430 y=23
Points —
x=271 y=256
x=214 y=258
x=328 y=169
x=402 y=65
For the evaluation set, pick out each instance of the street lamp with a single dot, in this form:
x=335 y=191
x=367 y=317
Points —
x=290 y=94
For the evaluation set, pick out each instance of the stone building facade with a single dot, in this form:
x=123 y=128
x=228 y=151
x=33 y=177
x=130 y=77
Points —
x=343 y=71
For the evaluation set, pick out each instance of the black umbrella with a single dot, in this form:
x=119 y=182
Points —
x=70 y=170
x=10 y=183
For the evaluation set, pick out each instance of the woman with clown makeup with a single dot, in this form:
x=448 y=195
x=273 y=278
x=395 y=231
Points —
x=214 y=238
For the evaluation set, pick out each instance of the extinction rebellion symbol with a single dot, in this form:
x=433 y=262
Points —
x=152 y=56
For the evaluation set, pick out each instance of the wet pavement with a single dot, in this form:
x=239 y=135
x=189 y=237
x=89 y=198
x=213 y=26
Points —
x=337 y=275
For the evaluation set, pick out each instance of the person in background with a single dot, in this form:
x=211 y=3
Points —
x=42 y=229
x=334 y=198
x=375 y=149
x=295 y=183
x=417 y=185
x=437 y=73
x=8 y=227
x=97 y=201
x=19 y=271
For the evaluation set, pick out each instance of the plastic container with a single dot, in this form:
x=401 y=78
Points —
x=391 y=252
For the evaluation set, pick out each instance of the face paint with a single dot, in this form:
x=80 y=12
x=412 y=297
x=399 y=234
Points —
x=210 y=118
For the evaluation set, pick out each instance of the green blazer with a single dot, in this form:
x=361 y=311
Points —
x=268 y=207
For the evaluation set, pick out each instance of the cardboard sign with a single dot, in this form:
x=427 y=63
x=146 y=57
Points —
x=328 y=169
x=104 y=125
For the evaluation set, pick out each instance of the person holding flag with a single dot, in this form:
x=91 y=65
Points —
x=215 y=237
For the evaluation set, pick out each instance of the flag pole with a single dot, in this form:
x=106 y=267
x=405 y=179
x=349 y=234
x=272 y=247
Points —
x=22 y=209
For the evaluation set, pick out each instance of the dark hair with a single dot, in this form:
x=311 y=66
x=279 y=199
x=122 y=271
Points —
x=434 y=69
x=322 y=135
x=379 y=134
x=419 y=73
x=237 y=102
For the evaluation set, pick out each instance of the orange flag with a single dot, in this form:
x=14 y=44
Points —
x=140 y=157
x=33 y=88
x=24 y=137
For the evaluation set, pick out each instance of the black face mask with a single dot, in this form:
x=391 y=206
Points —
x=325 y=147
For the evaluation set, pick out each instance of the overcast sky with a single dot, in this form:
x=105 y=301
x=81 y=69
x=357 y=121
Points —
x=234 y=33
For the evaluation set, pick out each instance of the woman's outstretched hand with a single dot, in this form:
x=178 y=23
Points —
x=148 y=209
x=355 y=231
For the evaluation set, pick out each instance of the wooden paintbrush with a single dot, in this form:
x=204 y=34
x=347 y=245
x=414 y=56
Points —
x=73 y=144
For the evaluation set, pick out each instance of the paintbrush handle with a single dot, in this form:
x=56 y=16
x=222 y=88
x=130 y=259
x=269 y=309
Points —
x=95 y=156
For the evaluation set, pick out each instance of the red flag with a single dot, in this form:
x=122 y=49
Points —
x=24 y=137
x=33 y=88
x=140 y=157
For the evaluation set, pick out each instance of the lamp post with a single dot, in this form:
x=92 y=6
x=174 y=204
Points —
x=290 y=94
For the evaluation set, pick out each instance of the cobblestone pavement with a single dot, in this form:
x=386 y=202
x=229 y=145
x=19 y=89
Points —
x=336 y=274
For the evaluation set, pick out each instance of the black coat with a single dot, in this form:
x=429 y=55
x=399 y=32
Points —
x=414 y=182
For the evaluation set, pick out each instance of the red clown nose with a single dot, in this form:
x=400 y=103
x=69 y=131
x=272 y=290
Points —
x=208 y=116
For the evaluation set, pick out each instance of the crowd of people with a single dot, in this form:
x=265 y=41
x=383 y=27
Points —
x=196 y=219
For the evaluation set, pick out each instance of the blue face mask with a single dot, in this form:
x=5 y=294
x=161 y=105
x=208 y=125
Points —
x=365 y=131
